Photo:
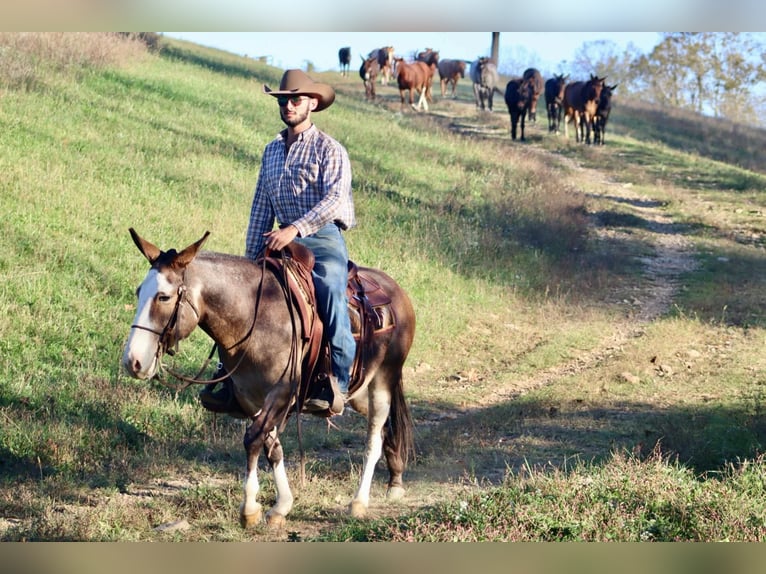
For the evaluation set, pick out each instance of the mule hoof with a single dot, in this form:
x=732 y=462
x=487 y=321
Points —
x=250 y=520
x=275 y=521
x=395 y=493
x=357 y=509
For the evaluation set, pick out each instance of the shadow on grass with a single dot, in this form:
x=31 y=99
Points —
x=487 y=443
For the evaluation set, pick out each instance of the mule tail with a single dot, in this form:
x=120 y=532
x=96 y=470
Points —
x=399 y=437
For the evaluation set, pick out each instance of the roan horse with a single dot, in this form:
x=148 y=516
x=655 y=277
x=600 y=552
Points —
x=485 y=79
x=244 y=307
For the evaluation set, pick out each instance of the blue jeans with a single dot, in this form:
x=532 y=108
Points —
x=330 y=278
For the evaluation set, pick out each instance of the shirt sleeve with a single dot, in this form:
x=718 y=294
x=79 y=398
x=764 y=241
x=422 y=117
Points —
x=261 y=219
x=335 y=189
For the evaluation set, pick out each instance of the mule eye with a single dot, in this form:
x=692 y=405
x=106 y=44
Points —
x=163 y=298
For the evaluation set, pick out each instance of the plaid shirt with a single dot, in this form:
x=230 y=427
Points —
x=309 y=188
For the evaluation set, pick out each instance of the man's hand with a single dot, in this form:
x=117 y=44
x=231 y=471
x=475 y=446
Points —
x=279 y=238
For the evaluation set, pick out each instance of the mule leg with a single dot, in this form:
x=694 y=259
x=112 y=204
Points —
x=378 y=407
x=276 y=515
x=250 y=512
x=398 y=439
x=261 y=433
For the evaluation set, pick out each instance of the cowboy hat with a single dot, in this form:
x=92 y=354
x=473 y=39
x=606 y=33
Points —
x=296 y=82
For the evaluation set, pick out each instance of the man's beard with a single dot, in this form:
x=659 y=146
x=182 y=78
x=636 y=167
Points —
x=295 y=119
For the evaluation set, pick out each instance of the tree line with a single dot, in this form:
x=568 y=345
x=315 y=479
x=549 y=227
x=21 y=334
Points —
x=719 y=74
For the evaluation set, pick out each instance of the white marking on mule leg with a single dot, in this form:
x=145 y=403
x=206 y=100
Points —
x=275 y=517
x=379 y=407
x=250 y=512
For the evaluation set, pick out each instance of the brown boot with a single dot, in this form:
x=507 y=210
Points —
x=329 y=401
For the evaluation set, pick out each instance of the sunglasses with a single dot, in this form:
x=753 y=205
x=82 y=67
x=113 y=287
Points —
x=294 y=100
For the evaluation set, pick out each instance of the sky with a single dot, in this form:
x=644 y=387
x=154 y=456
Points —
x=546 y=50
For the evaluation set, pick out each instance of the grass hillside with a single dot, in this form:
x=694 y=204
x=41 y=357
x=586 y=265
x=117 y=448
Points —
x=588 y=362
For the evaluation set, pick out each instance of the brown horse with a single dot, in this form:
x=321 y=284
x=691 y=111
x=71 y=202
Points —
x=450 y=71
x=535 y=79
x=413 y=76
x=242 y=305
x=580 y=104
x=369 y=71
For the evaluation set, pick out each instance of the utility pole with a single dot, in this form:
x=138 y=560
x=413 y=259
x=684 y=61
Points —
x=496 y=47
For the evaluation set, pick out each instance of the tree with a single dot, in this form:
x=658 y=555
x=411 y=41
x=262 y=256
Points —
x=708 y=72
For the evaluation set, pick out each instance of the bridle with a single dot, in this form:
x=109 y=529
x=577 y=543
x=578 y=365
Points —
x=171 y=328
x=171 y=325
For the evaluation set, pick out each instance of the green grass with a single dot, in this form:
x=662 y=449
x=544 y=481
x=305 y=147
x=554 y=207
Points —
x=494 y=243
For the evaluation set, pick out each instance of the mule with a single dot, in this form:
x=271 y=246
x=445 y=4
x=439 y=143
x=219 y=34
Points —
x=243 y=306
x=518 y=97
x=413 y=76
x=535 y=78
x=450 y=71
x=554 y=101
x=344 y=58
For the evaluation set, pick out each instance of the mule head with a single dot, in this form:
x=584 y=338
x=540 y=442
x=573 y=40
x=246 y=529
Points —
x=165 y=312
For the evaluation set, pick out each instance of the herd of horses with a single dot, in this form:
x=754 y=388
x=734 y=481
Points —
x=586 y=104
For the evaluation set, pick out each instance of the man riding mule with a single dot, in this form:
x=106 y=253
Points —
x=305 y=185
x=251 y=312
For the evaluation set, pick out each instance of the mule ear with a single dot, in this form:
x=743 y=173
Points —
x=190 y=252
x=147 y=249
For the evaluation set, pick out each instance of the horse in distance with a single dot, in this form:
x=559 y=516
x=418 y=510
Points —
x=602 y=114
x=450 y=71
x=580 y=104
x=535 y=78
x=429 y=57
x=519 y=94
x=260 y=316
x=485 y=78
x=344 y=57
x=369 y=71
x=385 y=57
x=554 y=101
x=413 y=76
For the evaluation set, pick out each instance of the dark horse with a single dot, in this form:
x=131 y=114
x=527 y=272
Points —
x=602 y=114
x=242 y=305
x=580 y=103
x=519 y=93
x=344 y=58
x=554 y=100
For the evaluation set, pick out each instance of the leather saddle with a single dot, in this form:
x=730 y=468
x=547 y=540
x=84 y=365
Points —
x=369 y=306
